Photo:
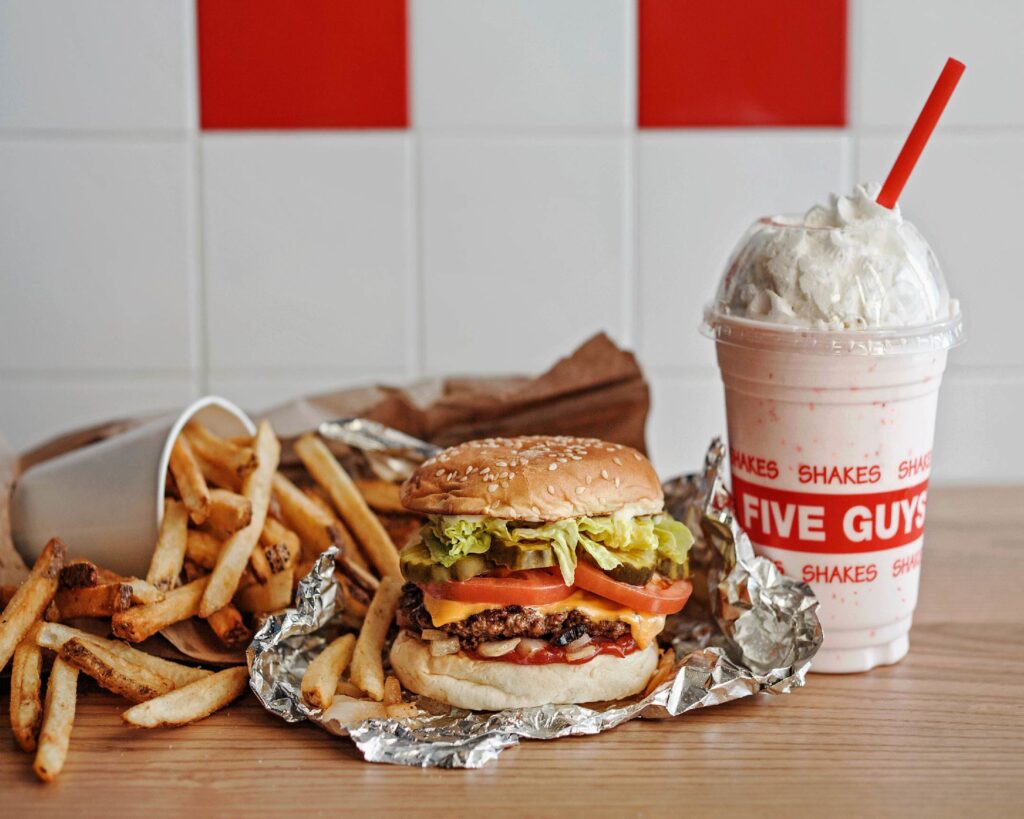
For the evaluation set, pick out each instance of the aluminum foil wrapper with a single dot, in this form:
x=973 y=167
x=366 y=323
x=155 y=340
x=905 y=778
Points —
x=747 y=629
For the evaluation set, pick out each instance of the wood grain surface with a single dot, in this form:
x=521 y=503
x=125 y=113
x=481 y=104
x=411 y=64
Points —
x=942 y=733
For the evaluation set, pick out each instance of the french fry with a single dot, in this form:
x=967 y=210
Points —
x=54 y=635
x=666 y=662
x=367 y=668
x=188 y=477
x=326 y=470
x=31 y=599
x=339 y=531
x=317 y=529
x=229 y=627
x=229 y=511
x=114 y=673
x=79 y=574
x=217 y=475
x=352 y=711
x=354 y=607
x=143 y=593
x=140 y=622
x=320 y=681
x=402 y=710
x=26 y=687
x=392 y=691
x=234 y=556
x=192 y=702
x=276 y=533
x=382 y=496
x=347 y=689
x=279 y=557
x=236 y=458
x=193 y=571
x=94 y=601
x=274 y=595
x=165 y=564
x=58 y=718
x=259 y=565
x=357 y=573
x=202 y=548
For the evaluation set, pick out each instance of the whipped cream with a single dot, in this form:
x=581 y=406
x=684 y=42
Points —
x=849 y=264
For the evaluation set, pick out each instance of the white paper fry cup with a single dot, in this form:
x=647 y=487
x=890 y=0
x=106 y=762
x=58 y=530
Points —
x=105 y=500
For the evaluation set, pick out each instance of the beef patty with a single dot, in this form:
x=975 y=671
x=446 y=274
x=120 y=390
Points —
x=501 y=624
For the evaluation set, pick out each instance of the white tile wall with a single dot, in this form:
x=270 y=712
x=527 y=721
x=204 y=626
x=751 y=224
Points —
x=142 y=263
x=37 y=404
x=961 y=198
x=97 y=255
x=307 y=252
x=535 y=64
x=103 y=65
x=899 y=49
x=524 y=248
x=698 y=191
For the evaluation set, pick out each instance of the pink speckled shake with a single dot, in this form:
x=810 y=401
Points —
x=831 y=422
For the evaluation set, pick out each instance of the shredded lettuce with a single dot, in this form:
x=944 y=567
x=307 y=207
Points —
x=606 y=539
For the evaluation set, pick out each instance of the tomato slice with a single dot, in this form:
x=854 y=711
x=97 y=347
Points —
x=659 y=596
x=535 y=587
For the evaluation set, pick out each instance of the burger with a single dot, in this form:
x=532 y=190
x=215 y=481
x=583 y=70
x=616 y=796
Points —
x=544 y=573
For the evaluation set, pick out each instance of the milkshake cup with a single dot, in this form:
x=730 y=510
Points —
x=832 y=332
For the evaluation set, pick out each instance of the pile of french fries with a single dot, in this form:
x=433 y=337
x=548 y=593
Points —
x=236 y=537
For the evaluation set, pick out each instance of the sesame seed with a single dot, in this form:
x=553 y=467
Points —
x=589 y=480
x=485 y=470
x=551 y=489
x=504 y=484
x=439 y=473
x=563 y=460
x=504 y=474
x=604 y=474
x=535 y=511
x=617 y=483
x=551 y=467
x=492 y=488
x=580 y=490
x=501 y=463
x=638 y=456
x=469 y=469
x=617 y=461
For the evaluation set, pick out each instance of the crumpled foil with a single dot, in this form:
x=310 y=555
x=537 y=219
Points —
x=747 y=629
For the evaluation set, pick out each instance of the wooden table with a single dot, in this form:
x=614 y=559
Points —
x=924 y=737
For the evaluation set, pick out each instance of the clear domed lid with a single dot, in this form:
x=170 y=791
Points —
x=835 y=281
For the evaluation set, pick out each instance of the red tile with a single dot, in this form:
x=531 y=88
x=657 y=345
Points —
x=742 y=62
x=302 y=64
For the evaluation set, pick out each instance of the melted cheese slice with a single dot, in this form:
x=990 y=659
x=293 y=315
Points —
x=644 y=627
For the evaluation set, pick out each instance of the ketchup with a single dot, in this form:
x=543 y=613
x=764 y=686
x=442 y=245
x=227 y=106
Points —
x=622 y=647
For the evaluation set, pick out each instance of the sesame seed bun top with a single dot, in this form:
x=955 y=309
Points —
x=534 y=478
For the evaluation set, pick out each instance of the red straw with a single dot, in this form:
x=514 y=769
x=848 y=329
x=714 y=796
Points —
x=920 y=133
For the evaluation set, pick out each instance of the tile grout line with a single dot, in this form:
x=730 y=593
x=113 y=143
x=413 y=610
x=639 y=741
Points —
x=416 y=299
x=631 y=274
x=200 y=334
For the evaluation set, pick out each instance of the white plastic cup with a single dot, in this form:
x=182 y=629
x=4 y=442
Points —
x=105 y=500
x=830 y=451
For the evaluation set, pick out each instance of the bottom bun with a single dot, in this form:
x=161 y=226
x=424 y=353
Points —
x=491 y=685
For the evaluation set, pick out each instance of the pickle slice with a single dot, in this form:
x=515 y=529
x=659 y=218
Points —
x=671 y=569
x=418 y=567
x=636 y=573
x=520 y=556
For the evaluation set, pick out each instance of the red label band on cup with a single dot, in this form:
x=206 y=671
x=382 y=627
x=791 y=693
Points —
x=830 y=524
